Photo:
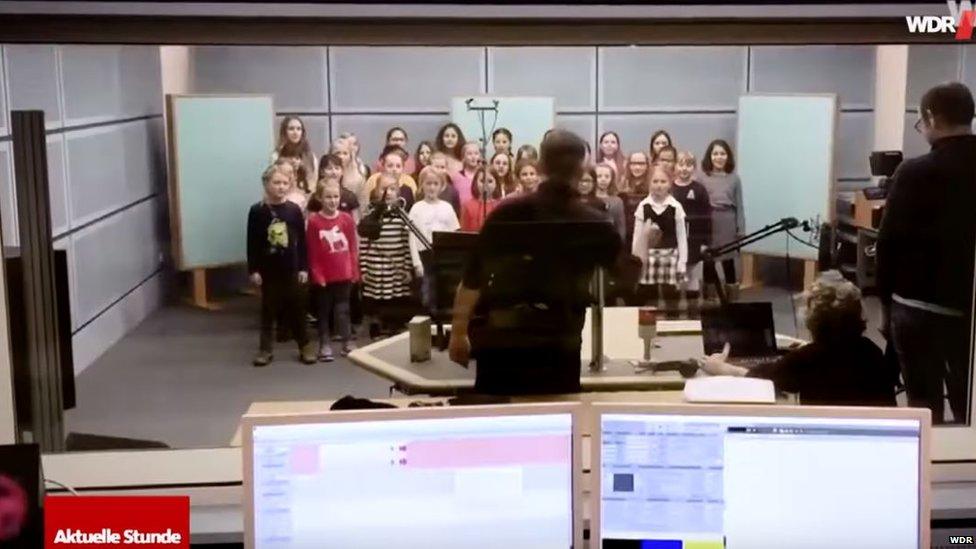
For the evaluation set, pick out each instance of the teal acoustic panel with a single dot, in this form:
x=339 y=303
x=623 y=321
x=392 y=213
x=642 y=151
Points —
x=220 y=145
x=786 y=163
x=528 y=118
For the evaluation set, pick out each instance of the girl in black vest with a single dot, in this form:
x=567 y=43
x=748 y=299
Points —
x=661 y=242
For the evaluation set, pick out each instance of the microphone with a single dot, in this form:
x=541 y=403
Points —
x=790 y=222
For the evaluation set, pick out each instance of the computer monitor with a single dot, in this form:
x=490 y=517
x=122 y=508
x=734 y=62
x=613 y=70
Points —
x=735 y=477
x=746 y=327
x=424 y=478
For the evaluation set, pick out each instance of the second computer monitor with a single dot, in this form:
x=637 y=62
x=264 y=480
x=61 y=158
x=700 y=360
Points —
x=747 y=477
x=425 y=478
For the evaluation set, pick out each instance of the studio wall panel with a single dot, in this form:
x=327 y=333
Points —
x=97 y=337
x=295 y=76
x=113 y=256
x=969 y=66
x=57 y=184
x=847 y=71
x=929 y=65
x=141 y=80
x=317 y=130
x=105 y=83
x=8 y=201
x=371 y=130
x=32 y=81
x=391 y=79
x=855 y=136
x=915 y=144
x=100 y=183
x=92 y=83
x=583 y=125
x=671 y=77
x=566 y=73
x=691 y=132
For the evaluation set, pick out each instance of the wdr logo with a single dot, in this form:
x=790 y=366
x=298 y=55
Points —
x=959 y=21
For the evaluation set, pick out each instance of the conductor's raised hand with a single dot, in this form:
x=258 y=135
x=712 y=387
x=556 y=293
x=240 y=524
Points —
x=459 y=349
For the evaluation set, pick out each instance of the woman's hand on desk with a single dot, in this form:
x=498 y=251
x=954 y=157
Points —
x=718 y=365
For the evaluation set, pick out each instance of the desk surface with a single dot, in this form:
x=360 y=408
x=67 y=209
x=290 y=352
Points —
x=310 y=406
x=677 y=340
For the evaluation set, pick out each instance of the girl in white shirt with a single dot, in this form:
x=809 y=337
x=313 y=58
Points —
x=660 y=241
x=429 y=215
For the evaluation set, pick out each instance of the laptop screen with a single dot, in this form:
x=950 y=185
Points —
x=432 y=483
x=747 y=327
x=757 y=482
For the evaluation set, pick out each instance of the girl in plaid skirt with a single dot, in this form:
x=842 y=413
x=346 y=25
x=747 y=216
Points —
x=660 y=241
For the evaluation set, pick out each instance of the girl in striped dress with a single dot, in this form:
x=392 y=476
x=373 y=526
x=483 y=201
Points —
x=385 y=264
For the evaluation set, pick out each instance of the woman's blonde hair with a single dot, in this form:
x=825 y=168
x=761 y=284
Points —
x=833 y=308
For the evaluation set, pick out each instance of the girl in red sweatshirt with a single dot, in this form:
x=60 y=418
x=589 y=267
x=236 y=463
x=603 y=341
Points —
x=333 y=266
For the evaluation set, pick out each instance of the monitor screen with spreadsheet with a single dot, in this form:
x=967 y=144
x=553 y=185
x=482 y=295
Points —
x=473 y=477
x=725 y=477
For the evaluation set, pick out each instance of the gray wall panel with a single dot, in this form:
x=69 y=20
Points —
x=566 y=73
x=671 y=78
x=929 y=65
x=969 y=66
x=98 y=186
x=317 y=129
x=847 y=71
x=92 y=83
x=392 y=79
x=8 y=202
x=133 y=237
x=57 y=184
x=690 y=132
x=103 y=83
x=141 y=80
x=855 y=137
x=914 y=142
x=371 y=130
x=32 y=80
x=295 y=76
x=583 y=125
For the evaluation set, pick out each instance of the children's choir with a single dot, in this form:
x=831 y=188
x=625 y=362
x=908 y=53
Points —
x=337 y=224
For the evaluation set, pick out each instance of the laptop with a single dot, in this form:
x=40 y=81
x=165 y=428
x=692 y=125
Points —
x=747 y=327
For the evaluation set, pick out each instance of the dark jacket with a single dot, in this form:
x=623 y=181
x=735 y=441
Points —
x=927 y=238
x=533 y=265
x=848 y=371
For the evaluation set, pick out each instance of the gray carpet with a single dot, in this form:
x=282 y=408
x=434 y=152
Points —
x=184 y=376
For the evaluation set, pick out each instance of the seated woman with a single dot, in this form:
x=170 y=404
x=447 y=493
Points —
x=840 y=367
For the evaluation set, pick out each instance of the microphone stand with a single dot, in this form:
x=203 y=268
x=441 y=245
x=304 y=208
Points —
x=484 y=139
x=397 y=210
x=710 y=253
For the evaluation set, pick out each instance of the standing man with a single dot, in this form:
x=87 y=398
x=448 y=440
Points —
x=926 y=254
x=526 y=287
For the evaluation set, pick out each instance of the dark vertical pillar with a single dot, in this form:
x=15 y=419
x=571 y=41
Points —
x=40 y=298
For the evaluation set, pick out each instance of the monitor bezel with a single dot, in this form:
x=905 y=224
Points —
x=248 y=422
x=922 y=415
